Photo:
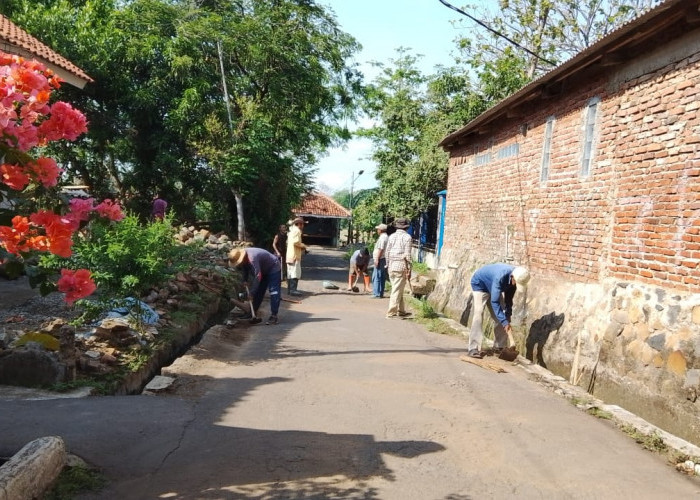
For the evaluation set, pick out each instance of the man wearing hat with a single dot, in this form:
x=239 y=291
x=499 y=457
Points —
x=266 y=269
x=378 y=256
x=398 y=263
x=494 y=286
x=294 y=252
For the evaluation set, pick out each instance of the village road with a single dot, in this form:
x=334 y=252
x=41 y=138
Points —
x=337 y=402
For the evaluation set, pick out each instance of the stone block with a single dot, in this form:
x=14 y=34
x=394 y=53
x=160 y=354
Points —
x=30 y=472
x=30 y=368
x=657 y=341
x=677 y=364
x=695 y=316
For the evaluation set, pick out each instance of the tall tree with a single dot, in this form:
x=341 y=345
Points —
x=158 y=111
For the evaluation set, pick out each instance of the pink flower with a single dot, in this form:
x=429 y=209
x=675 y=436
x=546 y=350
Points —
x=64 y=123
x=80 y=209
x=45 y=170
x=75 y=284
x=110 y=209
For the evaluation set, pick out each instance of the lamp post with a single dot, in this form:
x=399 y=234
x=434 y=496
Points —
x=353 y=178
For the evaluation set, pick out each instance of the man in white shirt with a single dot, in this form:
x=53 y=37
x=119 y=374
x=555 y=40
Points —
x=378 y=256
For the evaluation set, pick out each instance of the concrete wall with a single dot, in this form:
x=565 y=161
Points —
x=616 y=251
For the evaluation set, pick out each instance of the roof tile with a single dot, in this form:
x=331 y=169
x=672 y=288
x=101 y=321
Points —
x=11 y=34
x=319 y=205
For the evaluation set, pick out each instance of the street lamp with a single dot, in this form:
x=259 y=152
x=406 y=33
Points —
x=353 y=178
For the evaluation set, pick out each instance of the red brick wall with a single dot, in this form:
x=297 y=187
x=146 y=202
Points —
x=636 y=216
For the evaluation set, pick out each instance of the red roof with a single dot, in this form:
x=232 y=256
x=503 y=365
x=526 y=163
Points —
x=13 y=38
x=319 y=205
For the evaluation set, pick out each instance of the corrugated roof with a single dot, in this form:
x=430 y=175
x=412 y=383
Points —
x=613 y=49
x=317 y=204
x=12 y=35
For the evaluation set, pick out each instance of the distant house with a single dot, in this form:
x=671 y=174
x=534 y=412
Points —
x=322 y=215
x=14 y=40
x=590 y=176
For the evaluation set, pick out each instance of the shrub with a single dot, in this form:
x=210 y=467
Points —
x=126 y=258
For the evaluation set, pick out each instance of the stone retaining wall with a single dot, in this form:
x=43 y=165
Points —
x=638 y=345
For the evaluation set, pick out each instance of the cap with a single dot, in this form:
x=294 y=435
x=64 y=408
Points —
x=381 y=227
x=521 y=275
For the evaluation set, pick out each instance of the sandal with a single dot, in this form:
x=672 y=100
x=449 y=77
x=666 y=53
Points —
x=475 y=354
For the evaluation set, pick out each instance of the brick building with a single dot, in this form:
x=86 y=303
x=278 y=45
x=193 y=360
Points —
x=590 y=176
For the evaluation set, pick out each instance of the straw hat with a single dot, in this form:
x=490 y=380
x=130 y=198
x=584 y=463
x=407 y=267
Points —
x=236 y=256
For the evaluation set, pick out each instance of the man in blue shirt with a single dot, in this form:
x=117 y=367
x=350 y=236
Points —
x=494 y=286
x=267 y=271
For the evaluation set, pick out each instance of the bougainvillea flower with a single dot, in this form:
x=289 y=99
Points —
x=81 y=208
x=13 y=176
x=45 y=170
x=59 y=231
x=111 y=210
x=75 y=284
x=65 y=122
x=15 y=238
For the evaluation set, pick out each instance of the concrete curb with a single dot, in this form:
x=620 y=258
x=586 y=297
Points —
x=32 y=470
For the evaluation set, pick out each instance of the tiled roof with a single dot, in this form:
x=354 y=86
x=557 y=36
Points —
x=13 y=37
x=319 y=205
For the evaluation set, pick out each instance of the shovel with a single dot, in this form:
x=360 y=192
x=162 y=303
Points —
x=510 y=353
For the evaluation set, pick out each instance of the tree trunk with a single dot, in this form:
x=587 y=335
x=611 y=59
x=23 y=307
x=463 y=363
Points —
x=241 y=219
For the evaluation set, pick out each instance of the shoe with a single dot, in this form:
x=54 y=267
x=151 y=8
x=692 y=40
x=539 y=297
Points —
x=272 y=320
x=294 y=293
x=404 y=314
x=475 y=354
x=255 y=321
x=391 y=316
x=245 y=316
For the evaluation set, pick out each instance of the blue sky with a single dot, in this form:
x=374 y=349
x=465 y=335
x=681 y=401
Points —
x=381 y=26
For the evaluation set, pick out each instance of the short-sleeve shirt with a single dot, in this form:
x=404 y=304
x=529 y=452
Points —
x=398 y=251
x=359 y=259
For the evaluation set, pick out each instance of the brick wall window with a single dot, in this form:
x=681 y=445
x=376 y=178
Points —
x=589 y=135
x=508 y=151
x=547 y=148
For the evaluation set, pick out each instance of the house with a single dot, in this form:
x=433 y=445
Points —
x=14 y=40
x=590 y=176
x=322 y=215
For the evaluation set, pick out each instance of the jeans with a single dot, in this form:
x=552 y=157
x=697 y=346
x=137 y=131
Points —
x=271 y=282
x=379 y=278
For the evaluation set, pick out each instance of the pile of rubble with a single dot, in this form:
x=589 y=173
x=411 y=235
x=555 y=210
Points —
x=33 y=354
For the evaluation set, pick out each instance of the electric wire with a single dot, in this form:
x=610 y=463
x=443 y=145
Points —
x=495 y=32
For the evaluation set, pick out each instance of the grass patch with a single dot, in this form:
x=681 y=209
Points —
x=420 y=267
x=425 y=310
x=74 y=480
x=651 y=442
x=598 y=413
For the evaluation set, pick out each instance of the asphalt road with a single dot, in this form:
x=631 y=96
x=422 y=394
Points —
x=337 y=402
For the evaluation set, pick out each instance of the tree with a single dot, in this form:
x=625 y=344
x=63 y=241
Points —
x=158 y=113
x=547 y=31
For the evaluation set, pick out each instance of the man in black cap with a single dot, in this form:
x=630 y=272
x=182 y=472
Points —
x=398 y=263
